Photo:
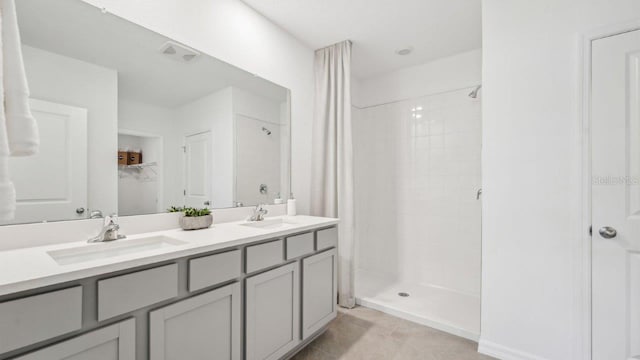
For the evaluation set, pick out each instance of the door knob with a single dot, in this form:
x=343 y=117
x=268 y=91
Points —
x=607 y=232
x=207 y=203
x=80 y=211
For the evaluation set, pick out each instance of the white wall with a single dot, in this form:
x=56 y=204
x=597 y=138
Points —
x=212 y=113
x=233 y=32
x=258 y=156
x=417 y=166
x=454 y=72
x=257 y=160
x=255 y=106
x=531 y=287
x=61 y=79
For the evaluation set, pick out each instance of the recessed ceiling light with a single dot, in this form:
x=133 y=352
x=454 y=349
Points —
x=405 y=51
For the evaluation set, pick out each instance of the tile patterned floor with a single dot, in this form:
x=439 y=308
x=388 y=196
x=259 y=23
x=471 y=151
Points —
x=366 y=334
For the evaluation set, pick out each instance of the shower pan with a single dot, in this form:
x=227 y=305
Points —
x=417 y=165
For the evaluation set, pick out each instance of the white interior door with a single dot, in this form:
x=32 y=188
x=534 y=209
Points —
x=197 y=191
x=52 y=185
x=616 y=197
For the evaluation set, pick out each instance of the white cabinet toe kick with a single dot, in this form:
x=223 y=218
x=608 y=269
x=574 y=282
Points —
x=259 y=301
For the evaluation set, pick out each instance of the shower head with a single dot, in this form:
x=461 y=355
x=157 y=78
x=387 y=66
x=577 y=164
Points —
x=266 y=130
x=474 y=93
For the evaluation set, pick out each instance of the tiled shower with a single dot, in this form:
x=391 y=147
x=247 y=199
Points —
x=418 y=222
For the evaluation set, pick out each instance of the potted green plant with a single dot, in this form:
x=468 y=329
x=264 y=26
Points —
x=192 y=218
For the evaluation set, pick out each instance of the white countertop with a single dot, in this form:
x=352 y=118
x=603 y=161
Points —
x=30 y=268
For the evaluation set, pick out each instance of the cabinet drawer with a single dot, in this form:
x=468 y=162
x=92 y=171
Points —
x=299 y=245
x=264 y=255
x=40 y=317
x=117 y=341
x=327 y=238
x=122 y=294
x=214 y=269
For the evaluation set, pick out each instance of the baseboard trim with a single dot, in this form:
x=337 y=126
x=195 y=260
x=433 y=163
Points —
x=454 y=330
x=503 y=352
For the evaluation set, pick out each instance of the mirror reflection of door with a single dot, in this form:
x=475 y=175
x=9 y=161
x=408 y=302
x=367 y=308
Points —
x=616 y=197
x=197 y=150
x=61 y=160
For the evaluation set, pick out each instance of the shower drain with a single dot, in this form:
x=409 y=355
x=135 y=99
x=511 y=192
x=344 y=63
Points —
x=403 y=294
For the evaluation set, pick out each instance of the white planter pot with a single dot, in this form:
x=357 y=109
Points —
x=195 y=223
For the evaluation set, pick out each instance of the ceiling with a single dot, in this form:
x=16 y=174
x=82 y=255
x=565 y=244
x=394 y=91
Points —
x=78 y=30
x=434 y=28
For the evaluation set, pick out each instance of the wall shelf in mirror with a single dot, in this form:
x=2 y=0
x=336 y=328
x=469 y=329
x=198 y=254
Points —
x=150 y=165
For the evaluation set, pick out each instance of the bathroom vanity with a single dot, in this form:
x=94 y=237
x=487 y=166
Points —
x=138 y=125
x=239 y=290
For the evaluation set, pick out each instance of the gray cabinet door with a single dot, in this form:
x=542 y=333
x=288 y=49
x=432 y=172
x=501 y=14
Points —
x=39 y=317
x=114 y=342
x=273 y=313
x=319 y=289
x=202 y=327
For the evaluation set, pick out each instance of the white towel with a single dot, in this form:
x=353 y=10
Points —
x=18 y=128
x=7 y=196
x=22 y=130
x=7 y=191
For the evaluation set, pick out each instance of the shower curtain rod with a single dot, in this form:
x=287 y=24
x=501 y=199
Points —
x=416 y=97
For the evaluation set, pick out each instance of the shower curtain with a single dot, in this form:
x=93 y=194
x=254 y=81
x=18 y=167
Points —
x=332 y=166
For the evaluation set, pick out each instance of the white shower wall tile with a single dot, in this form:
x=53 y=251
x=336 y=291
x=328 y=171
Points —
x=417 y=171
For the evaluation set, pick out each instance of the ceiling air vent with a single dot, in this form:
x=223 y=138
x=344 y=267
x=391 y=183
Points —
x=178 y=52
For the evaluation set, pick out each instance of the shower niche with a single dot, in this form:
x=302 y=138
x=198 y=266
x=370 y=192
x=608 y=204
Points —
x=140 y=174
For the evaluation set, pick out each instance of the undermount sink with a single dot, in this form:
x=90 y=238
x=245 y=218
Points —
x=107 y=250
x=269 y=223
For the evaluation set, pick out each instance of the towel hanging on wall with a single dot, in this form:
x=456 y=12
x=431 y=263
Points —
x=18 y=128
x=22 y=130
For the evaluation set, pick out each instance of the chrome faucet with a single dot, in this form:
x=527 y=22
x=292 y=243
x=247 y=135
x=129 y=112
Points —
x=258 y=213
x=96 y=214
x=109 y=231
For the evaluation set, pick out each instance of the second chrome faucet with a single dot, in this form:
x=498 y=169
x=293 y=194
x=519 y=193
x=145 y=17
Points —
x=258 y=213
x=109 y=231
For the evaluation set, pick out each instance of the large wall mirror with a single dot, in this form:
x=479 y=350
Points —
x=133 y=123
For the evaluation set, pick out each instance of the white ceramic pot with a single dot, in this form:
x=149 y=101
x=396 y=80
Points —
x=196 y=223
